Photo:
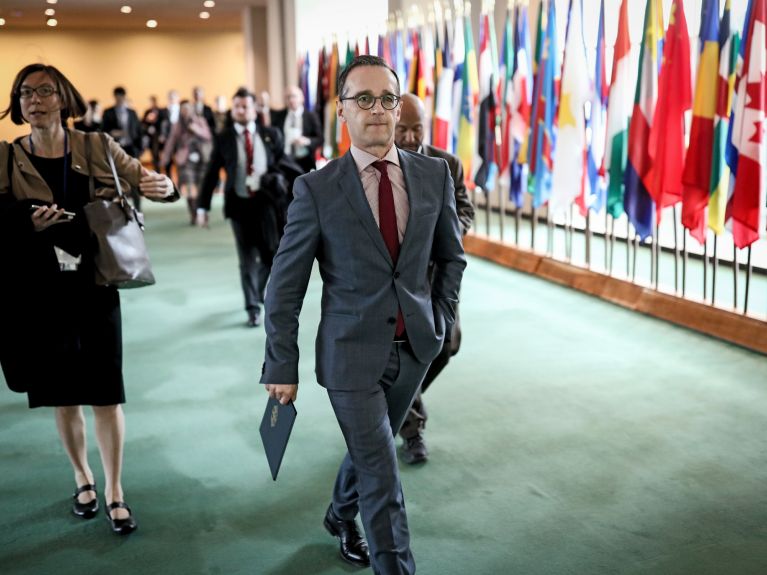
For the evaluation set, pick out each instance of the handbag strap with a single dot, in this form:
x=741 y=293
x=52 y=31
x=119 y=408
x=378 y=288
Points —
x=9 y=167
x=89 y=162
x=111 y=159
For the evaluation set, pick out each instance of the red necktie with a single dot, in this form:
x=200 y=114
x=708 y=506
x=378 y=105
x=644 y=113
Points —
x=248 y=152
x=387 y=221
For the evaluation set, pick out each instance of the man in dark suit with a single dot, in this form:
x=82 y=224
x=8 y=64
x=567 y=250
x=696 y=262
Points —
x=248 y=153
x=122 y=123
x=301 y=129
x=202 y=109
x=409 y=135
x=374 y=220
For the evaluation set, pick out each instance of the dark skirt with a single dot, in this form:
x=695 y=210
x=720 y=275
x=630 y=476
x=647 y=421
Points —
x=68 y=346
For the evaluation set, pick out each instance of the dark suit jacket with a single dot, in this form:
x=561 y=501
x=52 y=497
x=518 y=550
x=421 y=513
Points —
x=109 y=122
x=463 y=204
x=330 y=220
x=311 y=128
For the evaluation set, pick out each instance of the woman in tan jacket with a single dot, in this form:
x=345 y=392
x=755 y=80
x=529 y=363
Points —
x=61 y=339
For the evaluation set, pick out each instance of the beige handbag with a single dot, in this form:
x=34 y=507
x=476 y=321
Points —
x=121 y=257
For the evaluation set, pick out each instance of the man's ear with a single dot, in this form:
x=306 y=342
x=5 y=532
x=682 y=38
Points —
x=340 y=110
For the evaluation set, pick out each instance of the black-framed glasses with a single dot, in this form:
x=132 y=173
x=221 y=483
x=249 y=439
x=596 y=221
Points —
x=367 y=101
x=44 y=91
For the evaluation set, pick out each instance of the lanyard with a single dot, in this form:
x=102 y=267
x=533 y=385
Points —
x=66 y=159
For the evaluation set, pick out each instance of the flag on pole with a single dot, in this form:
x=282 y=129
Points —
x=568 y=172
x=488 y=80
x=618 y=116
x=331 y=104
x=667 y=134
x=458 y=57
x=748 y=133
x=729 y=44
x=544 y=135
x=698 y=172
x=521 y=106
x=467 y=136
x=507 y=92
x=637 y=200
x=594 y=190
x=442 y=136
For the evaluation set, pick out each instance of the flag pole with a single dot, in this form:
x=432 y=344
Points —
x=588 y=239
x=676 y=253
x=749 y=269
x=501 y=208
x=685 y=260
x=705 y=265
x=654 y=256
x=486 y=194
x=608 y=256
x=517 y=218
x=735 y=276
x=715 y=268
x=533 y=219
x=634 y=259
x=549 y=231
x=568 y=235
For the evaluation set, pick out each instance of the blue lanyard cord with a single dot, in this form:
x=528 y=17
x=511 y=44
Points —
x=66 y=159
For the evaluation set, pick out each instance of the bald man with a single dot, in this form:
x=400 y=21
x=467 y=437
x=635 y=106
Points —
x=408 y=135
x=301 y=129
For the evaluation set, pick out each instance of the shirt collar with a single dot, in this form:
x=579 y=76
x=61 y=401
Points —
x=363 y=159
x=297 y=112
x=239 y=128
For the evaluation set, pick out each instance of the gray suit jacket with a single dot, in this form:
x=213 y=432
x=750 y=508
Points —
x=330 y=220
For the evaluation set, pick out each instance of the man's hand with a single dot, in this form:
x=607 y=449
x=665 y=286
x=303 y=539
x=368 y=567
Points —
x=155 y=186
x=283 y=393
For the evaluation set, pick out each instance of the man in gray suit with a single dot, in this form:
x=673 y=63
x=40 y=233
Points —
x=374 y=220
x=409 y=134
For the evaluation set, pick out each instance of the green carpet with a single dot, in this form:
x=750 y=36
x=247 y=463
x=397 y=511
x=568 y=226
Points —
x=567 y=436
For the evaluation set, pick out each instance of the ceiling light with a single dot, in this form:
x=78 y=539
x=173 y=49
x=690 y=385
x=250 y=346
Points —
x=204 y=15
x=209 y=3
x=52 y=1
x=126 y=9
x=2 y=21
x=52 y=22
x=50 y=12
x=151 y=23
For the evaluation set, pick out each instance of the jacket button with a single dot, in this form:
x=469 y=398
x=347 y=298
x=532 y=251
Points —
x=396 y=275
x=391 y=320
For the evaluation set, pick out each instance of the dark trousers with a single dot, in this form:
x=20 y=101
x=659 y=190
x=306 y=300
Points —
x=415 y=419
x=368 y=480
x=253 y=272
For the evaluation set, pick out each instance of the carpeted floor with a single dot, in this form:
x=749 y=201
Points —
x=568 y=436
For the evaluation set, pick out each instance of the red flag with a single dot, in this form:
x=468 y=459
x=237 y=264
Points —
x=667 y=144
x=748 y=198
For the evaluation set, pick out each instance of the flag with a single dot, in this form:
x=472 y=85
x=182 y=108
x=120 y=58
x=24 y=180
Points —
x=544 y=136
x=593 y=196
x=748 y=133
x=442 y=136
x=331 y=104
x=720 y=171
x=618 y=116
x=521 y=106
x=667 y=134
x=700 y=155
x=567 y=175
x=458 y=58
x=488 y=80
x=637 y=200
x=505 y=75
x=469 y=96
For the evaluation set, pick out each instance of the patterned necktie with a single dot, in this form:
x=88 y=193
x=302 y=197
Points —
x=387 y=221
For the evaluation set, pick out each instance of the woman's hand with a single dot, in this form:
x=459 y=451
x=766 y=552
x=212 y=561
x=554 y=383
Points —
x=45 y=217
x=155 y=186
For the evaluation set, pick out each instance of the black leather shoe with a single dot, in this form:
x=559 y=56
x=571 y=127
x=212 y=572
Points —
x=121 y=526
x=254 y=318
x=353 y=546
x=414 y=450
x=85 y=510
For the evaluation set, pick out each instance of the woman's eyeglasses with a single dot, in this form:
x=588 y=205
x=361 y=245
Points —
x=367 y=101
x=44 y=91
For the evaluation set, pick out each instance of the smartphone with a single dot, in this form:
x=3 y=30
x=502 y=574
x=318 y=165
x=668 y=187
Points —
x=64 y=216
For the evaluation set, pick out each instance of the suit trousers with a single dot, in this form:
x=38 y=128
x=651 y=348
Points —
x=253 y=272
x=368 y=480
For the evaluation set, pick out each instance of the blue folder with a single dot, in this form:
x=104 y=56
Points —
x=275 y=431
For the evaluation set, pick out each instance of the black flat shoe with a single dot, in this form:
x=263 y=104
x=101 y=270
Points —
x=121 y=526
x=353 y=546
x=85 y=510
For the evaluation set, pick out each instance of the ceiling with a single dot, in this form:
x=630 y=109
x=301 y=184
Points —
x=105 y=14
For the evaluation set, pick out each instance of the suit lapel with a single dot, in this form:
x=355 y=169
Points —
x=352 y=186
x=414 y=186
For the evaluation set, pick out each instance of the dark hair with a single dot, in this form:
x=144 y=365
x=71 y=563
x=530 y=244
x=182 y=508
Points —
x=365 y=60
x=72 y=103
x=119 y=91
x=243 y=92
x=93 y=103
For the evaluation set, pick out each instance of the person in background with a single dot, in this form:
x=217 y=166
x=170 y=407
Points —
x=202 y=109
x=249 y=154
x=408 y=135
x=170 y=116
x=221 y=114
x=151 y=126
x=122 y=123
x=189 y=144
x=61 y=337
x=91 y=121
x=373 y=220
x=301 y=129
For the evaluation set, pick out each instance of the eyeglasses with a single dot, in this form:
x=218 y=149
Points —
x=44 y=91
x=367 y=101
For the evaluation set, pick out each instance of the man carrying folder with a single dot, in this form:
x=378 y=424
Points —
x=373 y=220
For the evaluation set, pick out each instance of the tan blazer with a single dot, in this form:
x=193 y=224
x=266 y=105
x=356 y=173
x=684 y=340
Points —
x=29 y=184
